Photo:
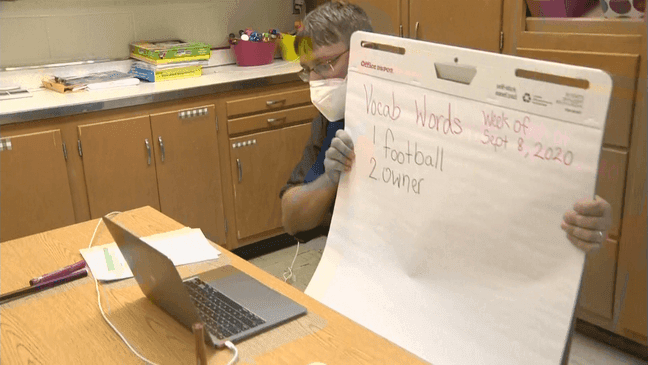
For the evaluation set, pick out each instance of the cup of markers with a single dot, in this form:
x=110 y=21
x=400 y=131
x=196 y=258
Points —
x=254 y=48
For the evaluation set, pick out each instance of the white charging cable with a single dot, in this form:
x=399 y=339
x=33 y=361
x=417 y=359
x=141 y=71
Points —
x=99 y=300
x=289 y=273
x=229 y=344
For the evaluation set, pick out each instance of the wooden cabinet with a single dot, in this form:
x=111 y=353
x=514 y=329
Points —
x=35 y=190
x=119 y=165
x=472 y=24
x=613 y=292
x=387 y=16
x=171 y=156
x=268 y=133
x=261 y=164
x=597 y=286
x=168 y=161
x=188 y=169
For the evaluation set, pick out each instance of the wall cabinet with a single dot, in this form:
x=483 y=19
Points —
x=35 y=190
x=472 y=24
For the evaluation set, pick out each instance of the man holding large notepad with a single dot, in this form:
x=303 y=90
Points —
x=309 y=195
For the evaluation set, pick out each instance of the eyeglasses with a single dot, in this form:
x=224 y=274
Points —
x=323 y=68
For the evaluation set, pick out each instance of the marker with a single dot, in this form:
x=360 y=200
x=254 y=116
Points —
x=4 y=298
x=58 y=273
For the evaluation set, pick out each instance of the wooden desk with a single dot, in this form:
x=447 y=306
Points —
x=64 y=325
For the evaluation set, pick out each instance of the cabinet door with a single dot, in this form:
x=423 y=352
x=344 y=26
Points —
x=34 y=187
x=472 y=23
x=119 y=165
x=261 y=165
x=188 y=169
x=632 y=279
x=386 y=15
x=599 y=277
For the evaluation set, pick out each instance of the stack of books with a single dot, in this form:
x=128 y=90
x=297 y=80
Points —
x=168 y=60
x=93 y=81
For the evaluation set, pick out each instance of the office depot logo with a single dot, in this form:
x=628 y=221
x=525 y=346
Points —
x=368 y=64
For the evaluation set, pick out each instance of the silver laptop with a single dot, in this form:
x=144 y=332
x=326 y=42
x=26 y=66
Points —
x=231 y=304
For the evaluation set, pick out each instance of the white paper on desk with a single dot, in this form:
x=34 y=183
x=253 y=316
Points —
x=182 y=247
x=468 y=265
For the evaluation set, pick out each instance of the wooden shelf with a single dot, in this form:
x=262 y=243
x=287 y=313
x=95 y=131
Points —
x=597 y=25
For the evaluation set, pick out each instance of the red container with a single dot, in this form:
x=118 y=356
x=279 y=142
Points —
x=254 y=53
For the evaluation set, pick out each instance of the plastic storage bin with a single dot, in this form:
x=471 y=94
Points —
x=254 y=53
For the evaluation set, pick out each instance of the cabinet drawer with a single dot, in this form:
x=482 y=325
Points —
x=623 y=69
x=268 y=102
x=272 y=119
x=611 y=182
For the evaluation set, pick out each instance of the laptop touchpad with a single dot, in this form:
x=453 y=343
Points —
x=253 y=295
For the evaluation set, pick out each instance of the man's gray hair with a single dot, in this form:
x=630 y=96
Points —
x=334 y=22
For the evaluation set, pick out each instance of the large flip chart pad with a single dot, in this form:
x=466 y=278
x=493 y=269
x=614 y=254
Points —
x=446 y=233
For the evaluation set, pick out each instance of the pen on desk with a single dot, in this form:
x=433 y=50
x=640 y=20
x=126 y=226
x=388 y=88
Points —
x=58 y=273
x=4 y=298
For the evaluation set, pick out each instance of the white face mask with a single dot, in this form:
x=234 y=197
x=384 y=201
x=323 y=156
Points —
x=329 y=97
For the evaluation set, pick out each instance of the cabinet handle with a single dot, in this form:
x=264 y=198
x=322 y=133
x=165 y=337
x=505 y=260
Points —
x=416 y=28
x=273 y=102
x=400 y=30
x=148 y=149
x=240 y=170
x=273 y=120
x=161 y=146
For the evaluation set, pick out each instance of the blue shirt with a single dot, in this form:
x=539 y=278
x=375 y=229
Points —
x=318 y=167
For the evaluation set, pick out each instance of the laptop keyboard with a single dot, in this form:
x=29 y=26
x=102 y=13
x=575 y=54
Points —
x=222 y=316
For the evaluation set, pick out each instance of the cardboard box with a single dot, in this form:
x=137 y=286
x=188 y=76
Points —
x=175 y=73
x=169 y=51
x=49 y=83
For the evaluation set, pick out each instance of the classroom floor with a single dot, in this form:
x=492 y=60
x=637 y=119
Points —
x=584 y=350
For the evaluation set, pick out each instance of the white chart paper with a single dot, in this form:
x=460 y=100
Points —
x=446 y=233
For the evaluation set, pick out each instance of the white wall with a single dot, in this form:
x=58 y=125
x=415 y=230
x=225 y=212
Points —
x=38 y=32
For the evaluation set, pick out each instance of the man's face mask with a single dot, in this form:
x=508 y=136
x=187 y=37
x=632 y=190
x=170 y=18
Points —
x=329 y=97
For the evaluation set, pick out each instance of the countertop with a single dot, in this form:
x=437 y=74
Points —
x=46 y=103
